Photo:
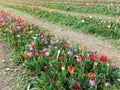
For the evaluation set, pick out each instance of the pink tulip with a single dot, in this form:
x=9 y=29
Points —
x=47 y=54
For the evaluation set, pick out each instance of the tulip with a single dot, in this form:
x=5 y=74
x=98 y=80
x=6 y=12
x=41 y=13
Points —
x=108 y=85
x=92 y=82
x=47 y=54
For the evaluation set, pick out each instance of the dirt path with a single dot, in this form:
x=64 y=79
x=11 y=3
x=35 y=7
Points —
x=98 y=44
x=6 y=77
x=12 y=76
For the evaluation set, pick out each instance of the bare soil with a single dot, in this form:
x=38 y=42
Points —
x=12 y=76
x=6 y=75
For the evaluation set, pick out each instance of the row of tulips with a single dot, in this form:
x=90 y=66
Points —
x=105 y=28
x=73 y=2
x=110 y=10
x=106 y=9
x=57 y=64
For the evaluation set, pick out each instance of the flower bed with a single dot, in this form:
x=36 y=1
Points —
x=108 y=29
x=111 y=9
x=56 y=63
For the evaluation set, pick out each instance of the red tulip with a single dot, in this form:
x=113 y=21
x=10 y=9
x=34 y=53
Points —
x=80 y=58
x=61 y=58
x=51 y=80
x=76 y=86
x=103 y=58
x=91 y=57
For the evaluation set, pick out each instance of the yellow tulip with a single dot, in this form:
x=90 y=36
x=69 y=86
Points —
x=117 y=21
x=31 y=32
x=62 y=68
x=4 y=34
x=18 y=35
x=95 y=63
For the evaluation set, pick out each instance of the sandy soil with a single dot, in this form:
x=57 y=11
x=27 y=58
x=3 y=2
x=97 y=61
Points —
x=6 y=77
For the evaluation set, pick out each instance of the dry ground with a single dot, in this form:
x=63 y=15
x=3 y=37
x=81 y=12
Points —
x=6 y=75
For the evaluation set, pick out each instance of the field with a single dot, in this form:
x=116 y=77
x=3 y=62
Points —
x=60 y=44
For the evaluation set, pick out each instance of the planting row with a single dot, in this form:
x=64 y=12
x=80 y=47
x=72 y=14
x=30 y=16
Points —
x=110 y=10
x=106 y=9
x=105 y=28
x=72 y=2
x=55 y=63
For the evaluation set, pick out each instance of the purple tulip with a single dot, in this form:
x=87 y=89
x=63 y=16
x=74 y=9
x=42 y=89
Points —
x=75 y=50
x=108 y=85
x=113 y=65
x=37 y=35
x=60 y=42
x=44 y=50
x=24 y=24
x=52 y=38
x=42 y=40
x=30 y=48
x=70 y=53
x=33 y=24
x=50 y=47
x=92 y=82
x=46 y=42
x=56 y=48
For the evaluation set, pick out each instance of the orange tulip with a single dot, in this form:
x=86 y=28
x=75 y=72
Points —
x=21 y=20
x=24 y=55
x=71 y=69
x=83 y=48
x=108 y=64
x=90 y=75
x=44 y=33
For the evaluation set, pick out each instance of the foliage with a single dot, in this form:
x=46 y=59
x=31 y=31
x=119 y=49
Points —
x=107 y=28
x=55 y=63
